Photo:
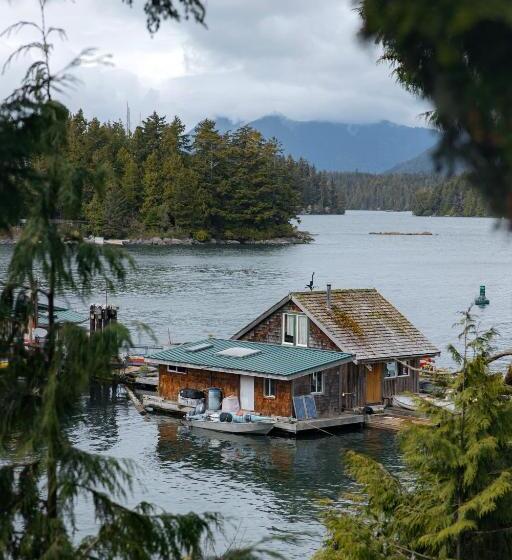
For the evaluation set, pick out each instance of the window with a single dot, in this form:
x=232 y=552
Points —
x=390 y=370
x=176 y=369
x=289 y=328
x=295 y=329
x=403 y=369
x=269 y=387
x=317 y=382
x=302 y=330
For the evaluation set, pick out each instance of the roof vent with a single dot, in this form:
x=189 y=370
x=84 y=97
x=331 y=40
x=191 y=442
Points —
x=199 y=347
x=328 y=296
x=238 y=352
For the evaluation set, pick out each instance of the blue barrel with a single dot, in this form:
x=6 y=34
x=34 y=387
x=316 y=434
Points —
x=214 y=398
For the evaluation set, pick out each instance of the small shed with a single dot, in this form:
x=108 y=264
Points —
x=265 y=377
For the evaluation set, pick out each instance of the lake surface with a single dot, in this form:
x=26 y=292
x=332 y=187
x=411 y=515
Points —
x=184 y=293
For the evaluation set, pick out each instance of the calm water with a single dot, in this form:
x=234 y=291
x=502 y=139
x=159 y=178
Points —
x=272 y=485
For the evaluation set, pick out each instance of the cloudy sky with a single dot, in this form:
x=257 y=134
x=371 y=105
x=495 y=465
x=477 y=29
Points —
x=299 y=58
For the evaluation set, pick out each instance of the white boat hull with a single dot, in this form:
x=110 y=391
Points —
x=249 y=428
x=405 y=402
x=409 y=403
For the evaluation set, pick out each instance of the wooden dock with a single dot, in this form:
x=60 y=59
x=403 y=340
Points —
x=319 y=424
x=159 y=404
x=392 y=421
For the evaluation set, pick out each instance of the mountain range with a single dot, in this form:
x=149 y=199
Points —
x=373 y=148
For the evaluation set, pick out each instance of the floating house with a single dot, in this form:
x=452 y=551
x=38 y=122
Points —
x=265 y=377
x=338 y=350
x=38 y=325
x=386 y=346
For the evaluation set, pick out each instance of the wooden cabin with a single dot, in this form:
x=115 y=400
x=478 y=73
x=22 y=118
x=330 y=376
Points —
x=361 y=322
x=265 y=377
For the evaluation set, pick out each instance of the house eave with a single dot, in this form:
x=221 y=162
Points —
x=291 y=377
x=398 y=357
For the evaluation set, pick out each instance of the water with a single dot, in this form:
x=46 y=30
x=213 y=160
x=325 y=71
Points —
x=272 y=485
x=262 y=486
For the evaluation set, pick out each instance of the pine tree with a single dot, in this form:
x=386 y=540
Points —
x=152 y=180
x=457 y=501
x=210 y=164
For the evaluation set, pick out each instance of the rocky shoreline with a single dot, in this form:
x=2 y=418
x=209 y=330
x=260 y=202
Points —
x=168 y=241
x=300 y=239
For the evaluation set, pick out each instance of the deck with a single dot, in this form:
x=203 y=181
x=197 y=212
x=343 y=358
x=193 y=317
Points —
x=394 y=419
x=159 y=404
x=319 y=424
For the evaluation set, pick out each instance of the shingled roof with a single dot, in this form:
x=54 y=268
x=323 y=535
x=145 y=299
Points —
x=360 y=322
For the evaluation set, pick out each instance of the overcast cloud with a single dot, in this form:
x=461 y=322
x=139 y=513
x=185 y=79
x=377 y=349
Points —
x=300 y=58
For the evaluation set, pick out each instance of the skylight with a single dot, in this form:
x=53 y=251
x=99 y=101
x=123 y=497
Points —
x=238 y=352
x=199 y=347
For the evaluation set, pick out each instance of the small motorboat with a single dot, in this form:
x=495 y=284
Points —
x=408 y=402
x=248 y=424
x=247 y=428
x=404 y=401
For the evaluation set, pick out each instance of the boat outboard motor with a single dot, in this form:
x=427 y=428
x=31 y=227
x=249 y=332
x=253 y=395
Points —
x=200 y=408
x=226 y=417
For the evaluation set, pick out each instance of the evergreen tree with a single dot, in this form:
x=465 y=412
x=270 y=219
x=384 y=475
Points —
x=152 y=180
x=457 y=503
x=42 y=474
x=210 y=163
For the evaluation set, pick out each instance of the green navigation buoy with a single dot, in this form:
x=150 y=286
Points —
x=482 y=300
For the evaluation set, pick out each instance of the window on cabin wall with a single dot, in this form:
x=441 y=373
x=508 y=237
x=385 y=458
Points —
x=269 y=387
x=390 y=370
x=317 y=383
x=295 y=329
x=176 y=369
x=302 y=330
x=404 y=369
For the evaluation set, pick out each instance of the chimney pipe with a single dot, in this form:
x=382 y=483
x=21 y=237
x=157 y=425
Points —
x=328 y=296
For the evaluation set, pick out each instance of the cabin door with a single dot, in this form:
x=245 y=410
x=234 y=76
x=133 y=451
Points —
x=374 y=384
x=246 y=392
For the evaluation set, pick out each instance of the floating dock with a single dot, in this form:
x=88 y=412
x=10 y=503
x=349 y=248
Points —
x=319 y=424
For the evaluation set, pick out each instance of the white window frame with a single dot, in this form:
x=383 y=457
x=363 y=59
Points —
x=297 y=317
x=301 y=318
x=314 y=379
x=406 y=368
x=270 y=390
x=177 y=369
x=386 y=367
x=285 y=319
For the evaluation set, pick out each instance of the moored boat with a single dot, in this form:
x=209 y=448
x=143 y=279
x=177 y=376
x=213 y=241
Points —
x=408 y=402
x=247 y=428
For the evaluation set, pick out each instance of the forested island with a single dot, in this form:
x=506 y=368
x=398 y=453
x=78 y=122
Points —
x=162 y=181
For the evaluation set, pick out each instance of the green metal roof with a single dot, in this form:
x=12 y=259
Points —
x=61 y=314
x=266 y=360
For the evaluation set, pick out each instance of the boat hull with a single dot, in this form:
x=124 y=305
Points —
x=248 y=428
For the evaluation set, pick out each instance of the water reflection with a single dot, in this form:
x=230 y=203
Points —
x=294 y=471
x=100 y=415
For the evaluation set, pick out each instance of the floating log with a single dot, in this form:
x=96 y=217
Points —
x=400 y=233
x=138 y=405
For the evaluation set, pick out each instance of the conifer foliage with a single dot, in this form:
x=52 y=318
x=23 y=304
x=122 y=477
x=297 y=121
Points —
x=456 y=501
x=42 y=474
x=163 y=181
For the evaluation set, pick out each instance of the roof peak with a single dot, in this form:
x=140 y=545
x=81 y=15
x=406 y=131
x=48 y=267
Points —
x=334 y=291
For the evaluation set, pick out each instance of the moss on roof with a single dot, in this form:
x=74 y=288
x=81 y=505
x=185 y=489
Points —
x=364 y=323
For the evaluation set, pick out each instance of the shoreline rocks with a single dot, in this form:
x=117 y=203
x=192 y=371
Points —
x=170 y=241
